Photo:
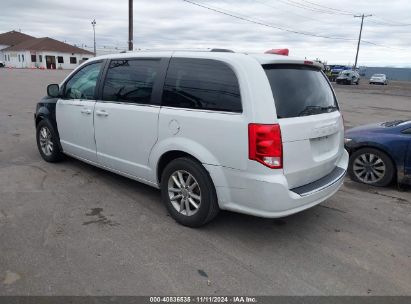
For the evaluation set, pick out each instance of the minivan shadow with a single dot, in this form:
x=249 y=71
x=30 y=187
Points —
x=225 y=221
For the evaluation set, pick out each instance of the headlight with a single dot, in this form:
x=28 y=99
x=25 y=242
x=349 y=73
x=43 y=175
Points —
x=347 y=140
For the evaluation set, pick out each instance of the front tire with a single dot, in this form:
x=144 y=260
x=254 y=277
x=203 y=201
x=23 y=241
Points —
x=48 y=142
x=188 y=192
x=371 y=166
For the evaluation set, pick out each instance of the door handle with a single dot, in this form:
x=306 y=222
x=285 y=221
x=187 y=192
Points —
x=101 y=113
x=86 y=111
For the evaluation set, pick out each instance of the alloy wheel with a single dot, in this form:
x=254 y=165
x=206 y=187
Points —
x=184 y=192
x=46 y=141
x=369 y=168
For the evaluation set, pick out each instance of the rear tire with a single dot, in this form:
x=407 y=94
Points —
x=48 y=142
x=187 y=181
x=371 y=166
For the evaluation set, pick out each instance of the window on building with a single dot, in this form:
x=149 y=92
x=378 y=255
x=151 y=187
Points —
x=22 y=57
x=60 y=59
x=33 y=58
x=201 y=84
x=83 y=83
x=40 y=58
x=73 y=60
x=130 y=81
x=19 y=57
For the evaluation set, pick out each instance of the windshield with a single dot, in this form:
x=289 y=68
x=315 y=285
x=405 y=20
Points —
x=378 y=75
x=345 y=73
x=300 y=90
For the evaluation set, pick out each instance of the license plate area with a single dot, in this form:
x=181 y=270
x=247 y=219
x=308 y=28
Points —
x=324 y=146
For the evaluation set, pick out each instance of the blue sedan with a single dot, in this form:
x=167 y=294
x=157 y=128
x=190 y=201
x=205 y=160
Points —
x=380 y=153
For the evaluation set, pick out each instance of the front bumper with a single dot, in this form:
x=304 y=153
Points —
x=270 y=196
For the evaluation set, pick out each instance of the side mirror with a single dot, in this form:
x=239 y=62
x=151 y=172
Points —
x=53 y=90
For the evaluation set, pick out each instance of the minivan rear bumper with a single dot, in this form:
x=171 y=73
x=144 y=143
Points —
x=269 y=195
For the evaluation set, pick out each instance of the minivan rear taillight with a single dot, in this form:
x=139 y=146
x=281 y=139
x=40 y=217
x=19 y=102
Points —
x=265 y=145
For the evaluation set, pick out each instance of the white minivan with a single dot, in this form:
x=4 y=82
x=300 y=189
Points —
x=259 y=134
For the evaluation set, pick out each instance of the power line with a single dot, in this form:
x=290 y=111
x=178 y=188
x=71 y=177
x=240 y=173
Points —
x=265 y=24
x=327 y=7
x=385 y=23
x=288 y=11
x=311 y=8
x=231 y=14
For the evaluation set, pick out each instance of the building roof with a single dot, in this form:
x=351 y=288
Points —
x=13 y=38
x=46 y=44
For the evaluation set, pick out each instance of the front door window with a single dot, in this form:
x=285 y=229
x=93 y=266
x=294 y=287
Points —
x=83 y=84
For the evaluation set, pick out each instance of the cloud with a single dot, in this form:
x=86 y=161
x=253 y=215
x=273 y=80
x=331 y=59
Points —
x=175 y=24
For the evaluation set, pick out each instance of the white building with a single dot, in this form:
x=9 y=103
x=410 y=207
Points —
x=11 y=38
x=44 y=53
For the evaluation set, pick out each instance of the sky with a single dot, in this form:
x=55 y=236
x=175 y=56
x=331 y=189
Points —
x=310 y=29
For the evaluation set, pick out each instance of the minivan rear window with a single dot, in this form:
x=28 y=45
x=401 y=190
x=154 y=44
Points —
x=300 y=90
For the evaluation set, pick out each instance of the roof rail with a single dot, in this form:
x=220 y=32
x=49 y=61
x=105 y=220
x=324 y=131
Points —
x=222 y=50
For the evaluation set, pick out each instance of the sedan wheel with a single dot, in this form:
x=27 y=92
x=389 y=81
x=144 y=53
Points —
x=371 y=166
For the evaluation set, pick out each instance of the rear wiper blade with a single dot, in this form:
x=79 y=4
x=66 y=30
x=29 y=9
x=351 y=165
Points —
x=309 y=110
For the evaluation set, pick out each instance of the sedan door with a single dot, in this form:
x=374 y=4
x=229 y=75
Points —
x=126 y=119
x=74 y=113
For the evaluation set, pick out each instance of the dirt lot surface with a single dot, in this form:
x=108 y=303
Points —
x=72 y=229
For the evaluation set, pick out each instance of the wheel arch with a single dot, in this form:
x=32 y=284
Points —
x=169 y=156
x=43 y=113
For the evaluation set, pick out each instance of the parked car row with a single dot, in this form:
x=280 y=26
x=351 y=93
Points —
x=353 y=77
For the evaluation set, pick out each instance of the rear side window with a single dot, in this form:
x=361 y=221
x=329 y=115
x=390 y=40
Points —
x=130 y=81
x=202 y=84
x=299 y=90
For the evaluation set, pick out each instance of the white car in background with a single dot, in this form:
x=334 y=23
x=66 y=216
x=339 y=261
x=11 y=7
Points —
x=2 y=64
x=379 y=79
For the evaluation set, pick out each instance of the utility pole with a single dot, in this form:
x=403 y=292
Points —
x=93 y=23
x=359 y=38
x=130 y=25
